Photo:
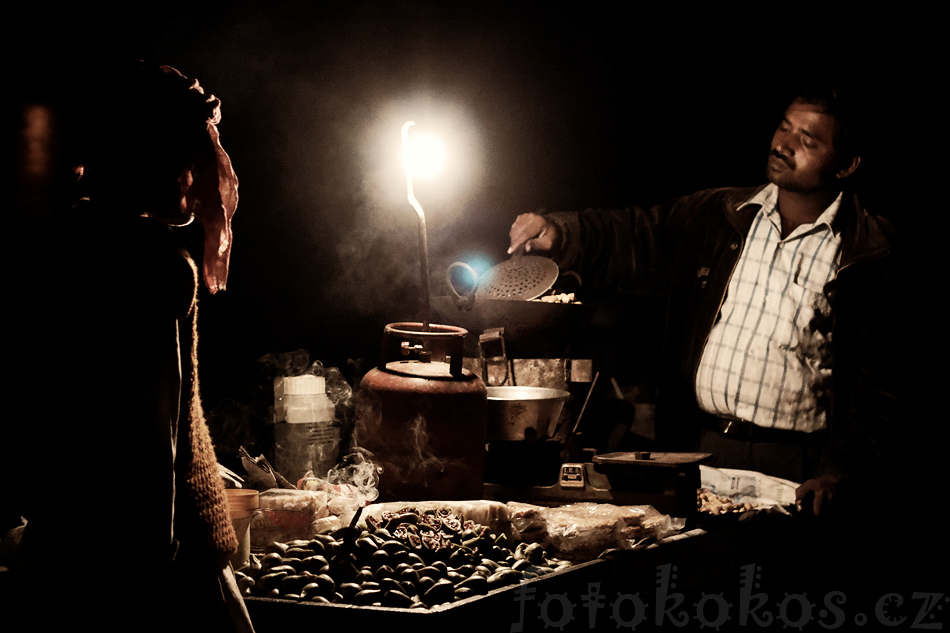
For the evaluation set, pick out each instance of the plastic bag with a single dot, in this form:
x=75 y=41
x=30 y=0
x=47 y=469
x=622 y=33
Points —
x=286 y=515
x=583 y=531
x=747 y=486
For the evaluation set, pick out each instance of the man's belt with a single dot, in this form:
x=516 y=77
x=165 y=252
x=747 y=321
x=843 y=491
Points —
x=742 y=431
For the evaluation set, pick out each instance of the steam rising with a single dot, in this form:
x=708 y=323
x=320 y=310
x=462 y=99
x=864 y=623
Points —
x=298 y=363
x=408 y=456
x=354 y=472
x=359 y=473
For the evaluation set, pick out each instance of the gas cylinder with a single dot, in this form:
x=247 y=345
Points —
x=423 y=416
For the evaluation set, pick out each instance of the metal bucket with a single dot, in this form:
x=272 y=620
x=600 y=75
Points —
x=524 y=413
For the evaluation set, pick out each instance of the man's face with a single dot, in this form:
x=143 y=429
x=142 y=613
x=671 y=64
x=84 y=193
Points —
x=803 y=158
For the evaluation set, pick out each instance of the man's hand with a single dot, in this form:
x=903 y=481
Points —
x=819 y=490
x=534 y=231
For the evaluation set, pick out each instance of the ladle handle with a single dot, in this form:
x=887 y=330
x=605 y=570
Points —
x=465 y=299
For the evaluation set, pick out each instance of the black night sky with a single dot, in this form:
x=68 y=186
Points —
x=562 y=105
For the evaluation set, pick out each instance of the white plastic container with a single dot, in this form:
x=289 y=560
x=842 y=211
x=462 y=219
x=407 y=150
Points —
x=305 y=435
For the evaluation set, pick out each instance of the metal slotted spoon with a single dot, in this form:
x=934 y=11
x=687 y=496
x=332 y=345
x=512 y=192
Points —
x=520 y=278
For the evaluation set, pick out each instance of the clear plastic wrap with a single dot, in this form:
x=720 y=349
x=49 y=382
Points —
x=491 y=514
x=584 y=531
x=286 y=515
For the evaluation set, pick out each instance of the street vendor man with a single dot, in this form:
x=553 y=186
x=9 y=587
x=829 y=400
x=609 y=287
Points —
x=775 y=300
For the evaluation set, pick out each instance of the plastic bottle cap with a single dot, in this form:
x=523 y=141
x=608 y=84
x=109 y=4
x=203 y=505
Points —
x=308 y=384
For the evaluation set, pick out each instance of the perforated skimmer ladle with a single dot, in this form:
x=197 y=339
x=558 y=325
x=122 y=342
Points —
x=521 y=278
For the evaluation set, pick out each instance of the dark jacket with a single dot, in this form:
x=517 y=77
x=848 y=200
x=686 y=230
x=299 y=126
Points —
x=684 y=253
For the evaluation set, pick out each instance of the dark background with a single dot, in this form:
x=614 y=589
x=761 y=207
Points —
x=565 y=105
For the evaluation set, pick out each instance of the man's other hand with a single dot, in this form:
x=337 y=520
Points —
x=818 y=491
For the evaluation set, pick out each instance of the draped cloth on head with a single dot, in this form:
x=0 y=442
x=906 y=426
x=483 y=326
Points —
x=143 y=127
x=214 y=195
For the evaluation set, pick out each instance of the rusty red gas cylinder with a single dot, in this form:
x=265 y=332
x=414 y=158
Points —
x=423 y=416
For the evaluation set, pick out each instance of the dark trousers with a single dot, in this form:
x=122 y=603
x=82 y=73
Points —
x=794 y=462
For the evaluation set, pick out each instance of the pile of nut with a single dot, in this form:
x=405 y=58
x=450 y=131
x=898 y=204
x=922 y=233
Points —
x=710 y=503
x=409 y=559
x=560 y=297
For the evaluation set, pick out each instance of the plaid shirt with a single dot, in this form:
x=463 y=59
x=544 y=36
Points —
x=762 y=363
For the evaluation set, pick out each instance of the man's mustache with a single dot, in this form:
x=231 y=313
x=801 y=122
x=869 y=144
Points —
x=785 y=159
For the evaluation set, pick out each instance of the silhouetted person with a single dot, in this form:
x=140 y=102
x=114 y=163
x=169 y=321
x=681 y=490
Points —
x=115 y=472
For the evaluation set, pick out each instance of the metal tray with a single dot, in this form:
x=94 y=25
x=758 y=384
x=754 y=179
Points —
x=505 y=607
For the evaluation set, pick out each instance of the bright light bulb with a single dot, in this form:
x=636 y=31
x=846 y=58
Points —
x=426 y=155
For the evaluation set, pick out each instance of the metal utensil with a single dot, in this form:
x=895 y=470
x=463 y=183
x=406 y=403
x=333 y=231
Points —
x=521 y=278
